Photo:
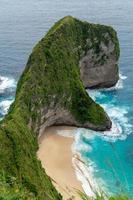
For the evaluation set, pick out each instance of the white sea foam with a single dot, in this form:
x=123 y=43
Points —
x=123 y=77
x=120 y=124
x=118 y=114
x=121 y=127
x=85 y=176
x=119 y=84
x=85 y=171
x=4 y=106
x=95 y=94
x=78 y=145
x=6 y=83
x=66 y=132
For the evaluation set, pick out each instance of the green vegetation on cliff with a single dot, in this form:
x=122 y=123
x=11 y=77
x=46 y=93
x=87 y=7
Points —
x=10 y=189
x=50 y=77
x=52 y=72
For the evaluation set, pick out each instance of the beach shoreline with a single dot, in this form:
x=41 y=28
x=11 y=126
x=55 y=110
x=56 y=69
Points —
x=55 y=153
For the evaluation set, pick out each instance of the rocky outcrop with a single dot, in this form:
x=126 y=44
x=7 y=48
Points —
x=61 y=116
x=54 y=90
x=99 y=68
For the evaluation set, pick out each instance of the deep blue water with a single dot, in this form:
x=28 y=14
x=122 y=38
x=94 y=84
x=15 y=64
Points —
x=23 y=23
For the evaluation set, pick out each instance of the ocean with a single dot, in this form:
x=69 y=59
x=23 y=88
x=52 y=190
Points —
x=109 y=155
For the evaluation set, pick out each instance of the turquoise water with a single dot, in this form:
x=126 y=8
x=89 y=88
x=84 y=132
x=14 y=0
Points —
x=23 y=23
x=111 y=153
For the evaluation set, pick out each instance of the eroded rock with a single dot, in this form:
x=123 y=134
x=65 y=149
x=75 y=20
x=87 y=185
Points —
x=99 y=66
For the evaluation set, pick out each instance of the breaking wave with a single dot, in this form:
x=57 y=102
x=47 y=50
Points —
x=6 y=83
x=7 y=87
x=117 y=113
x=4 y=106
x=85 y=169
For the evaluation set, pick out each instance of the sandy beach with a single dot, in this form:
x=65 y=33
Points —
x=56 y=157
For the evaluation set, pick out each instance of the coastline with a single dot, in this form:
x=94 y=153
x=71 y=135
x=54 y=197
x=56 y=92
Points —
x=55 y=153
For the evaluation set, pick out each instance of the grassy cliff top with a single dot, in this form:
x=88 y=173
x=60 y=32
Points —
x=52 y=71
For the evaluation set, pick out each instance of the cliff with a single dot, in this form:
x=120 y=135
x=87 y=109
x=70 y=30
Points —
x=49 y=92
x=51 y=86
x=99 y=62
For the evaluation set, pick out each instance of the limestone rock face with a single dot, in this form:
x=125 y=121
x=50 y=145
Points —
x=60 y=116
x=99 y=69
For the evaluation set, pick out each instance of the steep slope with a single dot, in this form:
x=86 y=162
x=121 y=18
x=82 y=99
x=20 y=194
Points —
x=49 y=92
